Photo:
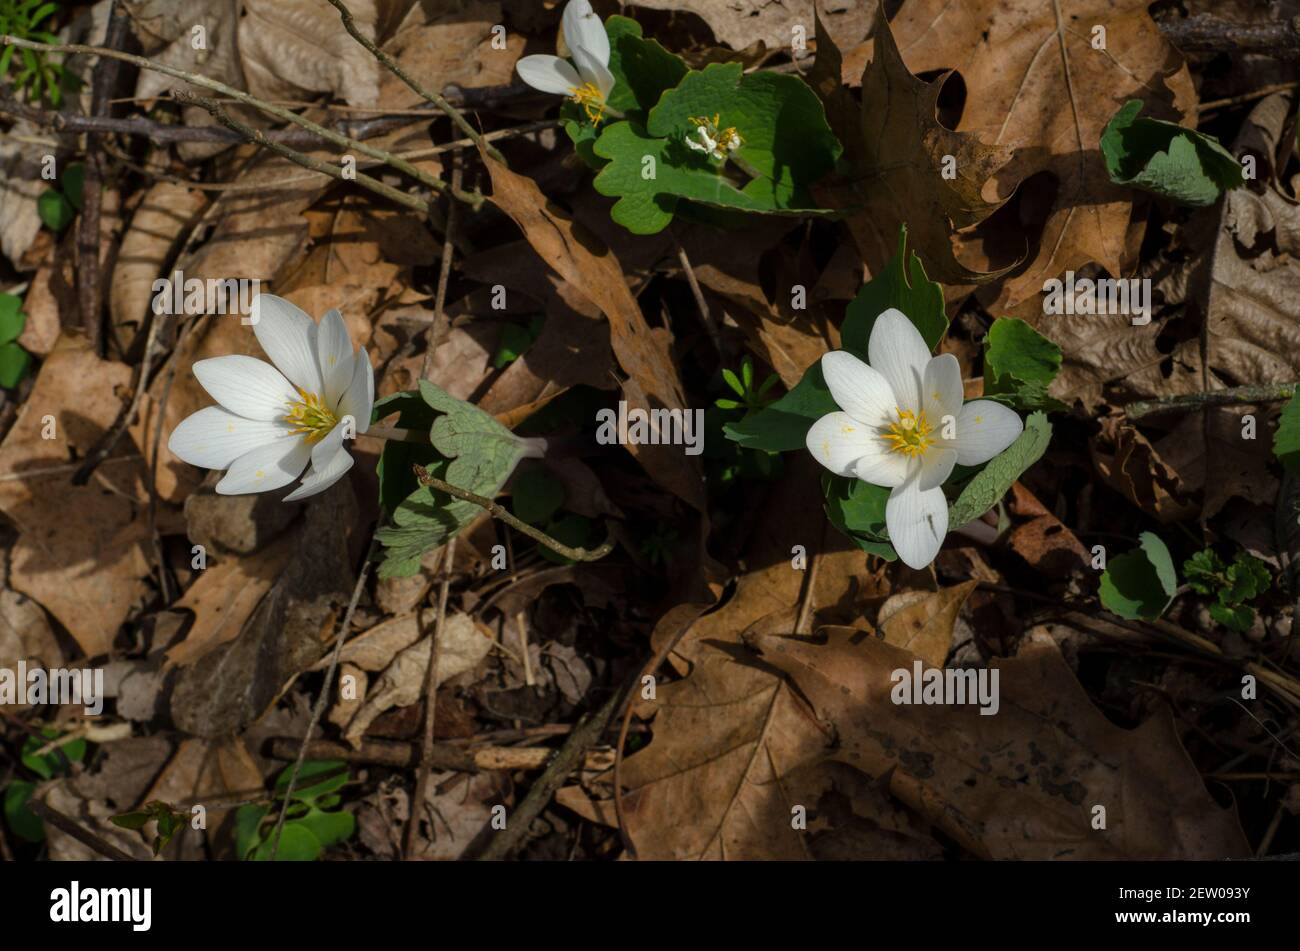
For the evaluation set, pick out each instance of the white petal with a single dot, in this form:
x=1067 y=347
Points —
x=246 y=386
x=548 y=73
x=942 y=392
x=936 y=466
x=838 y=441
x=858 y=389
x=583 y=30
x=288 y=336
x=879 y=466
x=594 y=71
x=320 y=479
x=359 y=398
x=267 y=467
x=897 y=350
x=324 y=451
x=334 y=350
x=214 y=438
x=984 y=429
x=917 y=521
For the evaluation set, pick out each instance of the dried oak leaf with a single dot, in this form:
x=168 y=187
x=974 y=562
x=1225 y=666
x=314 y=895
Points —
x=1131 y=466
x=739 y=23
x=898 y=157
x=89 y=570
x=591 y=270
x=1036 y=83
x=1021 y=784
x=922 y=621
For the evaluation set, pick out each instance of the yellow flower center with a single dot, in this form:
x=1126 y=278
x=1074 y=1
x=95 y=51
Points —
x=592 y=101
x=910 y=435
x=310 y=417
x=723 y=140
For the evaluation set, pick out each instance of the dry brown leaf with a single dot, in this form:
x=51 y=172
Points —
x=1131 y=466
x=26 y=635
x=163 y=217
x=224 y=597
x=1035 y=83
x=896 y=150
x=739 y=23
x=592 y=270
x=462 y=644
x=922 y=621
x=1021 y=784
x=374 y=650
x=206 y=772
x=98 y=557
x=1044 y=540
x=20 y=188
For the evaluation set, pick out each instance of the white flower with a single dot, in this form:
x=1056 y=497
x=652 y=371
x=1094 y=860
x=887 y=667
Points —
x=274 y=419
x=588 y=85
x=903 y=426
x=715 y=143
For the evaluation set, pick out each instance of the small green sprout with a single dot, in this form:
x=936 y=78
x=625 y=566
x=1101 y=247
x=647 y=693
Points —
x=751 y=399
x=34 y=74
x=1231 y=585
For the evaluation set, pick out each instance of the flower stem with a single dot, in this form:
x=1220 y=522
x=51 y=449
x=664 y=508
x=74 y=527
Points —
x=397 y=434
x=496 y=511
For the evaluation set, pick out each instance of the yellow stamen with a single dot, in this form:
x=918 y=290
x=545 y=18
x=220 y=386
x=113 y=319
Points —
x=592 y=101
x=310 y=417
x=910 y=435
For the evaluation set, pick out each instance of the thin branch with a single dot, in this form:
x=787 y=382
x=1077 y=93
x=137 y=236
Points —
x=261 y=105
x=430 y=705
x=710 y=324
x=80 y=833
x=1208 y=34
x=324 y=696
x=570 y=756
x=257 y=137
x=496 y=511
x=391 y=65
x=439 y=325
x=1187 y=402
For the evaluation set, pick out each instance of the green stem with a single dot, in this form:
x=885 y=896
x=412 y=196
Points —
x=496 y=511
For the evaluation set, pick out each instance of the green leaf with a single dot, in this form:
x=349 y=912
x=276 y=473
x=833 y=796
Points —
x=902 y=285
x=536 y=495
x=514 y=341
x=1140 y=583
x=1205 y=572
x=328 y=827
x=480 y=455
x=1020 y=364
x=306 y=790
x=248 y=822
x=14 y=363
x=74 y=184
x=12 y=318
x=1248 y=578
x=787 y=147
x=1286 y=441
x=51 y=764
x=396 y=475
x=992 y=482
x=784 y=425
x=1167 y=159
x=1236 y=617
x=297 y=844
x=24 y=823
x=55 y=211
x=857 y=509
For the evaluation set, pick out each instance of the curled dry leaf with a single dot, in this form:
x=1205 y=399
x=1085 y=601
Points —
x=922 y=621
x=1026 y=783
x=739 y=23
x=462 y=644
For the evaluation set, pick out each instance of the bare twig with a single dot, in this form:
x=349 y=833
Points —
x=1209 y=34
x=391 y=65
x=570 y=756
x=430 y=704
x=439 y=325
x=449 y=756
x=261 y=105
x=79 y=832
x=496 y=511
x=88 y=291
x=710 y=324
x=257 y=137
x=325 y=691
x=1186 y=402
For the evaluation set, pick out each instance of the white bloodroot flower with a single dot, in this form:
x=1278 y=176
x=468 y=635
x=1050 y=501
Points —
x=273 y=420
x=589 y=85
x=902 y=425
